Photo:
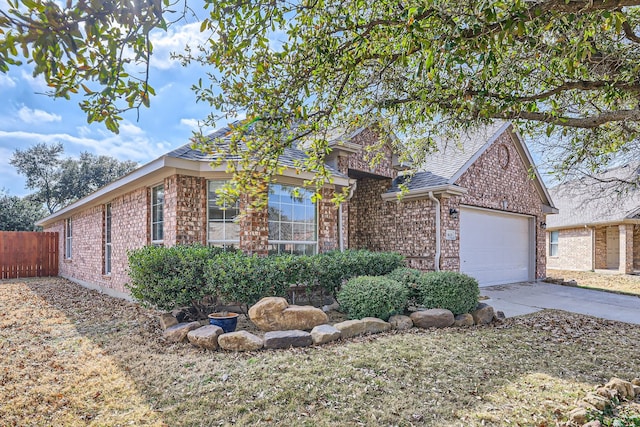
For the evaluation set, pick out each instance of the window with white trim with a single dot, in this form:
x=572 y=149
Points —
x=553 y=243
x=68 y=238
x=107 y=239
x=223 y=228
x=292 y=221
x=157 y=215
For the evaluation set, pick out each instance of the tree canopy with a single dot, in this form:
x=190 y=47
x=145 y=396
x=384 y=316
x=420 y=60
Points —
x=567 y=68
x=58 y=181
x=19 y=213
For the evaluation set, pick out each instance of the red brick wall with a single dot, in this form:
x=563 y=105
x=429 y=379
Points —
x=489 y=183
x=191 y=209
x=327 y=222
x=601 y=248
x=374 y=146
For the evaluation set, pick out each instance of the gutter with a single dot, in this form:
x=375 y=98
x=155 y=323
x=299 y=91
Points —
x=422 y=193
x=340 y=233
x=436 y=261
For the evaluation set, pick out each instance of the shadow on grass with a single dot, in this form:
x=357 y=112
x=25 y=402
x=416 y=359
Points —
x=525 y=371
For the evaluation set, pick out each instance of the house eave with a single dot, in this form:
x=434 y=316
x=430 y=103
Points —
x=423 y=193
x=594 y=224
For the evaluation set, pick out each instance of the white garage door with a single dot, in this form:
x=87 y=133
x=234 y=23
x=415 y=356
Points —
x=495 y=247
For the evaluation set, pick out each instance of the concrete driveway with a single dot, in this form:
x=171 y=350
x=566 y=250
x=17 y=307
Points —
x=523 y=298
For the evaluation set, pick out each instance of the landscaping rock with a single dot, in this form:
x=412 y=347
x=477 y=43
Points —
x=624 y=388
x=636 y=381
x=594 y=423
x=240 y=341
x=578 y=416
x=483 y=314
x=287 y=339
x=205 y=337
x=401 y=322
x=636 y=389
x=373 y=325
x=607 y=393
x=499 y=316
x=433 y=318
x=463 y=320
x=598 y=402
x=167 y=320
x=275 y=314
x=331 y=307
x=350 y=328
x=323 y=334
x=178 y=333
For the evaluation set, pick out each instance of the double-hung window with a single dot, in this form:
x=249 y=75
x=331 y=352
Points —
x=157 y=215
x=223 y=228
x=292 y=220
x=553 y=243
x=107 y=238
x=68 y=236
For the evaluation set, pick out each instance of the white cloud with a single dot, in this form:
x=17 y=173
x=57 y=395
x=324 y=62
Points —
x=7 y=81
x=194 y=125
x=174 y=40
x=38 y=84
x=130 y=144
x=30 y=116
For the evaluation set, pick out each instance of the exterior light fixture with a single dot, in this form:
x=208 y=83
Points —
x=453 y=213
x=504 y=204
x=543 y=225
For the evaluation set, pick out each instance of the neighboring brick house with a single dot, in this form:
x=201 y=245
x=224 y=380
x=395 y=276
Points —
x=598 y=226
x=459 y=213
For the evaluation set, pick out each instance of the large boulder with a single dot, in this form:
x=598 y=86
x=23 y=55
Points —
x=287 y=339
x=275 y=314
x=240 y=341
x=624 y=388
x=432 y=318
x=178 y=333
x=463 y=320
x=205 y=337
x=167 y=320
x=483 y=314
x=324 y=333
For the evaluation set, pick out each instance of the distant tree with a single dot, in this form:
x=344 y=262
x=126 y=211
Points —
x=59 y=181
x=19 y=213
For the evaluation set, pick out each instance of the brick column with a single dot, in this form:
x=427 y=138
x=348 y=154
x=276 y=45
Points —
x=626 y=248
x=327 y=222
x=449 y=249
x=254 y=228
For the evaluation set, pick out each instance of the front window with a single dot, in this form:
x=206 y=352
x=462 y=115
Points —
x=292 y=221
x=157 y=215
x=553 y=243
x=68 y=238
x=107 y=238
x=223 y=229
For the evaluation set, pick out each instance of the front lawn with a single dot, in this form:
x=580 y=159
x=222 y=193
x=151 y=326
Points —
x=612 y=282
x=71 y=356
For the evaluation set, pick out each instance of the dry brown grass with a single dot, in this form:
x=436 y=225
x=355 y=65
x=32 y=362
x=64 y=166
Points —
x=71 y=356
x=612 y=282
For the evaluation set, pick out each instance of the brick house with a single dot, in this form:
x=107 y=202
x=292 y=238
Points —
x=598 y=226
x=472 y=207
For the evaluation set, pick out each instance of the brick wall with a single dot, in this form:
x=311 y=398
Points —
x=489 y=184
x=373 y=146
x=575 y=249
x=190 y=208
x=636 y=246
x=327 y=222
x=601 y=248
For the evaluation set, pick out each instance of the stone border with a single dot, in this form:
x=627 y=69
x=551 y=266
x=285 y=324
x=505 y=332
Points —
x=601 y=399
x=211 y=337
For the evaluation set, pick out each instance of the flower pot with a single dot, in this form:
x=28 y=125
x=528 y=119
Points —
x=227 y=321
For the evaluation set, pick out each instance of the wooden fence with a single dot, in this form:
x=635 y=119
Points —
x=28 y=254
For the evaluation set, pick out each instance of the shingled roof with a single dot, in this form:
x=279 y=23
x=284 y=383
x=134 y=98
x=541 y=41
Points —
x=597 y=199
x=222 y=137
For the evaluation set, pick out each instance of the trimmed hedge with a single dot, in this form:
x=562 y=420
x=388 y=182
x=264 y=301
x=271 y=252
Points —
x=169 y=277
x=182 y=275
x=451 y=290
x=369 y=296
x=409 y=277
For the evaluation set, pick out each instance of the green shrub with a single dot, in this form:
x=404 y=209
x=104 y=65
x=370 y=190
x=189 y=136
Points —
x=169 y=277
x=409 y=277
x=332 y=269
x=238 y=278
x=368 y=296
x=453 y=291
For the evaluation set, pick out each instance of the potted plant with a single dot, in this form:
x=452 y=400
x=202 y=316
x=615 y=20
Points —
x=224 y=319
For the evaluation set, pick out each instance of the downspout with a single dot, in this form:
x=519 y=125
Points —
x=437 y=257
x=340 y=233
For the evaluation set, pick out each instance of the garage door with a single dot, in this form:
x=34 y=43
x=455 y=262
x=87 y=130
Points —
x=495 y=247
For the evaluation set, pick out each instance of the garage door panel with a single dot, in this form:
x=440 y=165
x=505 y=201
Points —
x=494 y=246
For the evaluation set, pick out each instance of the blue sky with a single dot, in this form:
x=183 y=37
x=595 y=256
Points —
x=27 y=117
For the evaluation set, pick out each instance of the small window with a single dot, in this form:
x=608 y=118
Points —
x=107 y=238
x=68 y=232
x=157 y=215
x=553 y=243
